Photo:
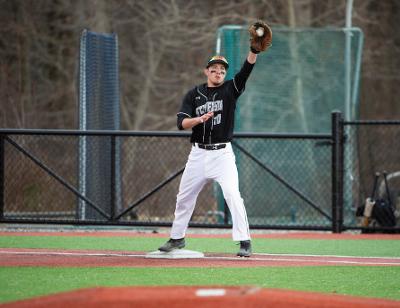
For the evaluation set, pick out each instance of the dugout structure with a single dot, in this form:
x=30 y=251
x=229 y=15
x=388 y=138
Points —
x=99 y=109
x=294 y=87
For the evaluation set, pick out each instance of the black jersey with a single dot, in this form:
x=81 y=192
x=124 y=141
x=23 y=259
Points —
x=221 y=100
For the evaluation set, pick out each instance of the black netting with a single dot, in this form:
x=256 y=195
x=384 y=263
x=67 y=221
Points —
x=98 y=110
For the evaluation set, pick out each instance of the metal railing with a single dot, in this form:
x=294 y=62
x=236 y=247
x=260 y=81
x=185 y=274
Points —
x=288 y=181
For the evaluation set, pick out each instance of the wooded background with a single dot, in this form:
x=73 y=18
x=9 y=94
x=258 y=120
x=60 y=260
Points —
x=163 y=46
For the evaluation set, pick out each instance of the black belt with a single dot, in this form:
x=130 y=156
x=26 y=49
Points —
x=211 y=146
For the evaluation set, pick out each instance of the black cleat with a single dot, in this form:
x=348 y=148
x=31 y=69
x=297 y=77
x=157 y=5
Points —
x=172 y=244
x=245 y=249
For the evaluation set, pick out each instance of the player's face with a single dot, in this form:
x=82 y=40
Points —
x=215 y=74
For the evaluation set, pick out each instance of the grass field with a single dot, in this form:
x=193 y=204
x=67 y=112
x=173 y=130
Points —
x=365 y=248
x=368 y=281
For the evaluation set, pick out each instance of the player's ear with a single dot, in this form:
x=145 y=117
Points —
x=206 y=72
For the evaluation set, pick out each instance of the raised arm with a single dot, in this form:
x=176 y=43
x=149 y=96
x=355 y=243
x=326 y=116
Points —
x=260 y=40
x=251 y=57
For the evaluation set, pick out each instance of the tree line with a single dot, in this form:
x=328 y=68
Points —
x=163 y=47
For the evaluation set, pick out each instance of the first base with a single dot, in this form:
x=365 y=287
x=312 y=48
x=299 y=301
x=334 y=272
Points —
x=175 y=254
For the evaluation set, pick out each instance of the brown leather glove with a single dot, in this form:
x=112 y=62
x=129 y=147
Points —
x=260 y=36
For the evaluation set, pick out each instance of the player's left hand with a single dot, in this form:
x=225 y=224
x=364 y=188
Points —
x=260 y=36
x=206 y=116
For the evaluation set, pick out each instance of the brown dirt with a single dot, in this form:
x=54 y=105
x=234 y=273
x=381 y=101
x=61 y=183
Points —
x=96 y=258
x=186 y=296
x=193 y=297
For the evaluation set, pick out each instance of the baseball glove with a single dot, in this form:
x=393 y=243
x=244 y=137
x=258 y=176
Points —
x=260 y=36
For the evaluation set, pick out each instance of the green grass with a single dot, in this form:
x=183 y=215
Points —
x=372 y=248
x=25 y=282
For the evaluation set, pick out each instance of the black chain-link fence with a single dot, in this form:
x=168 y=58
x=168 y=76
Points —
x=372 y=170
x=288 y=181
x=284 y=180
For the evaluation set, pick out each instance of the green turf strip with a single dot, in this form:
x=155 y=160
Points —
x=25 y=282
x=372 y=248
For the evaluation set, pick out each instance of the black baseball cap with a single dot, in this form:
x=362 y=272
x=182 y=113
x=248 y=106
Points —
x=218 y=59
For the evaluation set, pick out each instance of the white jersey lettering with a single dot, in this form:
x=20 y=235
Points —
x=217 y=119
x=210 y=106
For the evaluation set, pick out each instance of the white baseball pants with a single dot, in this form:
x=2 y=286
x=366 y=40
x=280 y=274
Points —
x=201 y=167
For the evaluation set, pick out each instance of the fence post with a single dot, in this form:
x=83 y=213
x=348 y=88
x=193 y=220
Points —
x=113 y=180
x=337 y=171
x=226 y=213
x=1 y=177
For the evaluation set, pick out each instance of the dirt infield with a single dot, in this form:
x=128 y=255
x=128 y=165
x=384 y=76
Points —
x=189 y=296
x=194 y=297
x=97 y=258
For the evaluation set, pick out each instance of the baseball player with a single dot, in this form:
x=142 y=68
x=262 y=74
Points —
x=208 y=109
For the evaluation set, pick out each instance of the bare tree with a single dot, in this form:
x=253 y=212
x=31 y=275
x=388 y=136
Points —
x=163 y=47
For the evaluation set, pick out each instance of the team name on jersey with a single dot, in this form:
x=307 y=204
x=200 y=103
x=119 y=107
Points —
x=210 y=106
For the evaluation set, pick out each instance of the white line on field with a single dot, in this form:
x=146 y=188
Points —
x=77 y=254
x=323 y=256
x=90 y=254
x=293 y=260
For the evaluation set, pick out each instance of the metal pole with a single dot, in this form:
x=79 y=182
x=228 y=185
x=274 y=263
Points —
x=226 y=213
x=347 y=56
x=1 y=177
x=83 y=125
x=340 y=207
x=337 y=172
x=113 y=179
